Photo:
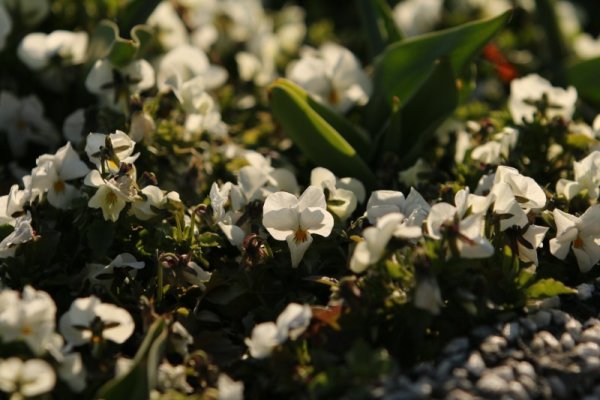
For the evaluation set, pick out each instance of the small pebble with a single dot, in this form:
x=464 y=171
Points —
x=525 y=368
x=511 y=331
x=566 y=341
x=591 y=334
x=585 y=291
x=587 y=350
x=460 y=344
x=558 y=387
x=541 y=319
x=475 y=364
x=573 y=327
x=517 y=391
x=559 y=317
x=493 y=344
x=490 y=383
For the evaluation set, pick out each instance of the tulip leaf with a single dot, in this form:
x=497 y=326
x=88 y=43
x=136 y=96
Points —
x=379 y=24
x=403 y=67
x=316 y=137
x=547 y=288
x=584 y=76
x=141 y=378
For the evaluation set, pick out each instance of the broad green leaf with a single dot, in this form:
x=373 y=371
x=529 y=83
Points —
x=379 y=24
x=317 y=139
x=435 y=100
x=357 y=138
x=403 y=67
x=584 y=76
x=549 y=20
x=137 y=383
x=547 y=288
x=107 y=42
x=136 y=12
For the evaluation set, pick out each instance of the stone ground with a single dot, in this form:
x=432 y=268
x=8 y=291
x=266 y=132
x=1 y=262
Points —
x=551 y=353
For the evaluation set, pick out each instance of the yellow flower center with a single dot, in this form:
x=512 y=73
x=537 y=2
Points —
x=59 y=186
x=333 y=97
x=111 y=198
x=300 y=236
x=26 y=330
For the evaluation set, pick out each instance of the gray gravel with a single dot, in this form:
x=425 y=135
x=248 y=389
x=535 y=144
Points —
x=552 y=352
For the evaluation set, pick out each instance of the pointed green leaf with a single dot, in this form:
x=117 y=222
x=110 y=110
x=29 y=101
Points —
x=584 y=76
x=136 y=12
x=403 y=67
x=317 y=139
x=107 y=42
x=379 y=24
x=137 y=383
x=547 y=288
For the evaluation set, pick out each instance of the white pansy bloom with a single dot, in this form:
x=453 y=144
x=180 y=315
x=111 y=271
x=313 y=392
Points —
x=497 y=149
x=142 y=126
x=581 y=234
x=151 y=200
x=72 y=371
x=115 y=84
x=341 y=199
x=527 y=191
x=587 y=177
x=413 y=208
x=196 y=275
x=104 y=274
x=24 y=379
x=293 y=321
x=530 y=90
x=173 y=377
x=22 y=233
x=413 y=176
x=333 y=75
x=90 y=320
x=119 y=150
x=427 y=295
x=5 y=26
x=585 y=46
x=229 y=389
x=530 y=242
x=73 y=126
x=265 y=337
x=185 y=62
x=180 y=338
x=415 y=17
x=293 y=219
x=30 y=12
x=259 y=178
x=226 y=219
x=38 y=50
x=171 y=31
x=370 y=250
x=110 y=195
x=24 y=122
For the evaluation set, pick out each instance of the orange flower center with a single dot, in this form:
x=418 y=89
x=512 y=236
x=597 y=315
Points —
x=26 y=330
x=333 y=97
x=578 y=243
x=59 y=186
x=111 y=198
x=300 y=236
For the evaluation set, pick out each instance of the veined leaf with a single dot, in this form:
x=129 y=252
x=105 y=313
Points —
x=547 y=288
x=379 y=24
x=317 y=139
x=584 y=76
x=137 y=383
x=403 y=67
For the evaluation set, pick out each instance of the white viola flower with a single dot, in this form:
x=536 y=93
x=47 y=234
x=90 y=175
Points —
x=465 y=234
x=226 y=219
x=229 y=389
x=506 y=207
x=413 y=208
x=293 y=219
x=294 y=320
x=171 y=377
x=23 y=122
x=90 y=320
x=497 y=149
x=531 y=91
x=5 y=26
x=196 y=275
x=170 y=29
x=73 y=126
x=415 y=17
x=39 y=50
x=265 y=337
x=528 y=244
x=585 y=46
x=587 y=177
x=110 y=196
x=581 y=234
x=291 y=28
x=17 y=198
x=142 y=126
x=115 y=148
x=333 y=75
x=528 y=193
x=72 y=372
x=30 y=12
x=186 y=62
x=104 y=274
x=151 y=200
x=427 y=295
x=259 y=178
x=24 y=379
x=180 y=338
x=370 y=250
x=341 y=199
x=115 y=84
x=413 y=176
x=22 y=233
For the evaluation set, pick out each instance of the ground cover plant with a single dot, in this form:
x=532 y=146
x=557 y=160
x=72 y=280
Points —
x=242 y=199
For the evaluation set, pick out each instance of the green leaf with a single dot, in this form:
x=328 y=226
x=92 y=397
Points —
x=317 y=139
x=584 y=76
x=403 y=67
x=379 y=24
x=107 y=42
x=137 y=383
x=136 y=12
x=546 y=13
x=547 y=288
x=100 y=236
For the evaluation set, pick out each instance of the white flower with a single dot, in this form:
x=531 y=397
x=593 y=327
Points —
x=142 y=126
x=531 y=240
x=291 y=219
x=341 y=197
x=582 y=234
x=196 y=275
x=116 y=148
x=109 y=196
x=73 y=126
x=293 y=321
x=259 y=64
x=585 y=46
x=23 y=122
x=38 y=50
x=259 y=178
x=427 y=295
x=171 y=31
x=226 y=219
x=23 y=233
x=587 y=176
x=415 y=17
x=527 y=191
x=151 y=200
x=414 y=210
x=371 y=249
x=497 y=149
x=172 y=377
x=30 y=12
x=72 y=371
x=114 y=85
x=5 y=26
x=413 y=176
x=229 y=389
x=333 y=75
x=90 y=320
x=26 y=378
x=180 y=338
x=265 y=337
x=532 y=90
x=104 y=274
